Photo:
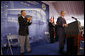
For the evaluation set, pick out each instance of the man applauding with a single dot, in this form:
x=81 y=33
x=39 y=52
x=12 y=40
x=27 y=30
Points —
x=24 y=31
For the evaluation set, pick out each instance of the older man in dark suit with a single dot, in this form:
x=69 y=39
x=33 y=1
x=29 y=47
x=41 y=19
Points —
x=51 y=31
x=24 y=31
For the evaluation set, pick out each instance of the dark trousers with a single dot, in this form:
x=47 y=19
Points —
x=56 y=37
x=51 y=37
x=61 y=38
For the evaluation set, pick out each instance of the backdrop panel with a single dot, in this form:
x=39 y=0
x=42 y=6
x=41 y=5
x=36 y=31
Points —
x=10 y=11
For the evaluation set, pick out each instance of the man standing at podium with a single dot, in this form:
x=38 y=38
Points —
x=24 y=31
x=61 y=23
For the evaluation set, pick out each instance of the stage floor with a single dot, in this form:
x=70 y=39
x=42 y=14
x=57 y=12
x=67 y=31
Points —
x=41 y=47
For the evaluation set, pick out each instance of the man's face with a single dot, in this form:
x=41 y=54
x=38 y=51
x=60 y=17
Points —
x=24 y=13
x=51 y=20
x=63 y=13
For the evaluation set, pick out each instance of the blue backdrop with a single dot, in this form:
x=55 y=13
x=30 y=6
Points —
x=9 y=19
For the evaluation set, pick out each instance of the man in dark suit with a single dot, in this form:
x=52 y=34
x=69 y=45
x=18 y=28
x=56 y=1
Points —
x=51 y=31
x=56 y=37
x=61 y=23
x=24 y=31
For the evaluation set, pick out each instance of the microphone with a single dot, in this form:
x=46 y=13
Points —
x=74 y=18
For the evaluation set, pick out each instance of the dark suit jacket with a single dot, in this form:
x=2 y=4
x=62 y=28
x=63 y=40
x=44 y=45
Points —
x=60 y=22
x=51 y=28
x=23 y=26
x=60 y=28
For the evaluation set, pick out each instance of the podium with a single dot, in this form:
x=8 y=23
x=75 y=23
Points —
x=72 y=36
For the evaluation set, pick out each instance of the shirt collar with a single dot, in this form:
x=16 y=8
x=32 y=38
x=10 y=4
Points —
x=62 y=16
x=23 y=16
